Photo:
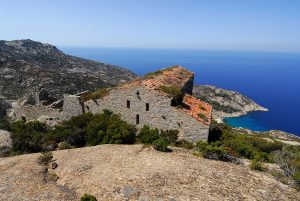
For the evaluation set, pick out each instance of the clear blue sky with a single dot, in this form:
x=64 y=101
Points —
x=204 y=24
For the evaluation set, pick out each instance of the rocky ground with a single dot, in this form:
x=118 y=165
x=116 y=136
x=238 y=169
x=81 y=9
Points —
x=226 y=103
x=27 y=66
x=135 y=172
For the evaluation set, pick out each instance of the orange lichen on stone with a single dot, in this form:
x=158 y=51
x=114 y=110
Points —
x=198 y=109
x=175 y=76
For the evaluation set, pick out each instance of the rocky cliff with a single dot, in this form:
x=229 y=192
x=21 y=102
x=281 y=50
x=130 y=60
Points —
x=27 y=66
x=226 y=103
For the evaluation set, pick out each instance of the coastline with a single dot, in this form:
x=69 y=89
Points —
x=279 y=135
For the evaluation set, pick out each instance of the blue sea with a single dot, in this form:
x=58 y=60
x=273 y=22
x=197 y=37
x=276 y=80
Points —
x=272 y=79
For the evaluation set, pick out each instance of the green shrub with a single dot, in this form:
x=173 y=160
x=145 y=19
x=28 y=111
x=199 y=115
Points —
x=79 y=131
x=202 y=116
x=108 y=128
x=100 y=93
x=201 y=146
x=148 y=135
x=175 y=93
x=256 y=165
x=87 y=197
x=242 y=145
x=64 y=145
x=150 y=75
x=170 y=135
x=161 y=144
x=27 y=137
x=212 y=152
x=185 y=144
x=288 y=159
x=296 y=178
x=45 y=158
x=216 y=153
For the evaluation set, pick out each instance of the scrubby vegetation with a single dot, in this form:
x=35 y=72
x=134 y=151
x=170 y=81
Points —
x=159 y=139
x=88 y=197
x=148 y=135
x=243 y=145
x=100 y=93
x=224 y=142
x=150 y=75
x=202 y=116
x=83 y=130
x=184 y=144
x=256 y=165
x=45 y=158
x=161 y=144
x=175 y=93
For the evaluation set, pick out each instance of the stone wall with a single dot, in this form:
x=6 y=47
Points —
x=160 y=115
x=32 y=112
x=73 y=106
x=188 y=86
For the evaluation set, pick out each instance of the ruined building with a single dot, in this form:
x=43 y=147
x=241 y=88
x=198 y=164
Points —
x=162 y=99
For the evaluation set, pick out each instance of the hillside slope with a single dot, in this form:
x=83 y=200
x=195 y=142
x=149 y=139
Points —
x=226 y=103
x=26 y=65
x=133 y=172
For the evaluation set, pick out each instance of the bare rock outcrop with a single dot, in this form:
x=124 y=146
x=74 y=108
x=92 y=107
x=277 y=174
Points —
x=135 y=172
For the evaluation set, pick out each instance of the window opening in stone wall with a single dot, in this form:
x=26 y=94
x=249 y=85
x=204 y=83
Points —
x=147 y=106
x=137 y=119
x=128 y=103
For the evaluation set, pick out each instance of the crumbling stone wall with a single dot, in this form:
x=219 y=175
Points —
x=31 y=113
x=73 y=106
x=160 y=115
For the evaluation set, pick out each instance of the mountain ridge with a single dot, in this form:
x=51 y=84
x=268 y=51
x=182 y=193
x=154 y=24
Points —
x=27 y=65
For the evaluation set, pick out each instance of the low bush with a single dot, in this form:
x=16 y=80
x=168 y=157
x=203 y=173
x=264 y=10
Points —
x=64 y=145
x=150 y=75
x=27 y=137
x=79 y=131
x=88 y=197
x=185 y=144
x=202 y=116
x=296 y=178
x=45 y=158
x=175 y=93
x=161 y=144
x=256 y=165
x=148 y=135
x=170 y=135
x=212 y=152
x=243 y=145
x=288 y=159
x=100 y=93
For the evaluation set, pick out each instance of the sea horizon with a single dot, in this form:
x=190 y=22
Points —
x=268 y=78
